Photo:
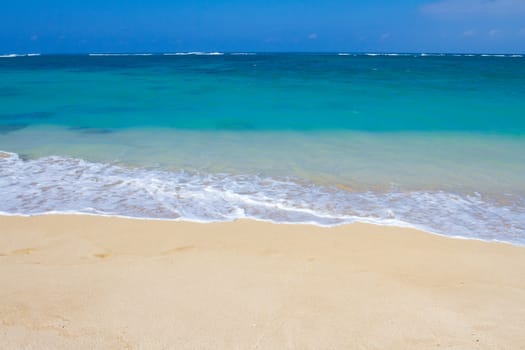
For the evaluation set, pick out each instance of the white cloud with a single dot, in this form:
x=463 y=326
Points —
x=34 y=37
x=452 y=8
x=521 y=32
x=312 y=36
x=385 y=36
x=469 y=33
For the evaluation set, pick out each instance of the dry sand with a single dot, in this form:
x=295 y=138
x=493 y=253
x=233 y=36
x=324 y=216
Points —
x=80 y=282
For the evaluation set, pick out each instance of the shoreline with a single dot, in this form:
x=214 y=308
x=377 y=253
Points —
x=82 y=281
x=399 y=225
x=208 y=197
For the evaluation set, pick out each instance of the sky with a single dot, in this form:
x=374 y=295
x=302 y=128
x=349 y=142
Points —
x=74 y=26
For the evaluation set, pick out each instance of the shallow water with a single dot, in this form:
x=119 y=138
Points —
x=435 y=142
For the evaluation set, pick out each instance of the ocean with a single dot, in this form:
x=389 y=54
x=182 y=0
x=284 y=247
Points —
x=435 y=142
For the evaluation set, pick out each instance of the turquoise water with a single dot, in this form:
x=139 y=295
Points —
x=430 y=141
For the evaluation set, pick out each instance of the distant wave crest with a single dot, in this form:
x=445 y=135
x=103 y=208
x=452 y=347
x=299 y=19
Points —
x=12 y=55
x=196 y=53
x=119 y=54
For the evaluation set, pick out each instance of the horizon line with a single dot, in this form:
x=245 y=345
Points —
x=220 y=53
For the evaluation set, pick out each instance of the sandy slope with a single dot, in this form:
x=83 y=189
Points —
x=80 y=282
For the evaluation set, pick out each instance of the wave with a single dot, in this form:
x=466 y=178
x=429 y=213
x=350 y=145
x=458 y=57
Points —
x=495 y=55
x=195 y=53
x=388 y=54
x=12 y=55
x=58 y=184
x=119 y=54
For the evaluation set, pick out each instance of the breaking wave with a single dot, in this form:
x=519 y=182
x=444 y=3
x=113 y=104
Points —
x=58 y=184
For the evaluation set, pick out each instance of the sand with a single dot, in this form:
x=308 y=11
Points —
x=85 y=282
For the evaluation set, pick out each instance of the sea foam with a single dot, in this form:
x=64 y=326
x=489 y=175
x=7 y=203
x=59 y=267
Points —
x=118 y=54
x=12 y=55
x=194 y=53
x=59 y=184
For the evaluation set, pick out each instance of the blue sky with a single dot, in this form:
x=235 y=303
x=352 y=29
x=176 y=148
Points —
x=73 y=26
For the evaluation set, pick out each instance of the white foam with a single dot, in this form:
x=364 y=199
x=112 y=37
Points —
x=106 y=54
x=194 y=53
x=11 y=55
x=387 y=54
x=66 y=185
x=120 y=54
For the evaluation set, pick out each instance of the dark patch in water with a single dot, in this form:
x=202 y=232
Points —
x=201 y=91
x=23 y=156
x=30 y=115
x=158 y=87
x=7 y=128
x=9 y=92
x=88 y=130
x=39 y=82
